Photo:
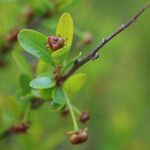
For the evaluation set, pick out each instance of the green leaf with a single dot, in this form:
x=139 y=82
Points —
x=55 y=106
x=35 y=43
x=73 y=84
x=41 y=67
x=60 y=54
x=43 y=82
x=22 y=62
x=46 y=93
x=24 y=84
x=65 y=28
x=58 y=96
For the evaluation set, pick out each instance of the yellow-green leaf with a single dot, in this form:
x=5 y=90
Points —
x=41 y=67
x=74 y=83
x=60 y=55
x=65 y=28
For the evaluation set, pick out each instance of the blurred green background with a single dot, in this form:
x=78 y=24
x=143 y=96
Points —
x=117 y=90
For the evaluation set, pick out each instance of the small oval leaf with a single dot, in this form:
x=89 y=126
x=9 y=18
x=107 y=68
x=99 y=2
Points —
x=73 y=84
x=43 y=82
x=65 y=28
x=58 y=96
x=35 y=43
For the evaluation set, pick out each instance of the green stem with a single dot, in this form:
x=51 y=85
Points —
x=76 y=110
x=26 y=114
x=72 y=114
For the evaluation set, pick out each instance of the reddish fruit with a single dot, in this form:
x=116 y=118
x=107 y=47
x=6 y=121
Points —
x=83 y=137
x=84 y=117
x=74 y=139
x=78 y=137
x=55 y=43
x=20 y=128
x=88 y=38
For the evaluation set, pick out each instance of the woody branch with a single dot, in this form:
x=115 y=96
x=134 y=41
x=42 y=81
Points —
x=93 y=54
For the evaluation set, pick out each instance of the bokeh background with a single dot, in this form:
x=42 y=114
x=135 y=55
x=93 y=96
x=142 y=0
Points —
x=118 y=87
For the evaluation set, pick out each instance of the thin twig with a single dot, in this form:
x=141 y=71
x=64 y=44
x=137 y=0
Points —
x=93 y=53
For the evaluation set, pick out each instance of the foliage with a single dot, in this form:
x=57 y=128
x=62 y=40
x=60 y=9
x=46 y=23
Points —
x=117 y=89
x=35 y=44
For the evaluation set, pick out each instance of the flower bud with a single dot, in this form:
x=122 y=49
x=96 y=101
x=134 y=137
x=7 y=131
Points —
x=95 y=56
x=55 y=43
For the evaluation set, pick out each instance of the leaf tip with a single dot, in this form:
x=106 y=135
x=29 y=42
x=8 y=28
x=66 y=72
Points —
x=66 y=14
